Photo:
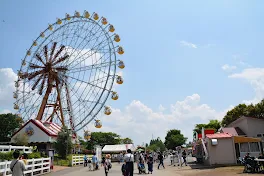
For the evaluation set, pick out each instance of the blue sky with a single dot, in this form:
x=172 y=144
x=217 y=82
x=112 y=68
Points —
x=173 y=49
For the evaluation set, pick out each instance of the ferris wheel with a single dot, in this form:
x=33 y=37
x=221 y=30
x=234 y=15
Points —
x=68 y=72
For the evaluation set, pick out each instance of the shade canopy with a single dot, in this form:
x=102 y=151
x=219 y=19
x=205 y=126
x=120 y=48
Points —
x=242 y=139
x=118 y=148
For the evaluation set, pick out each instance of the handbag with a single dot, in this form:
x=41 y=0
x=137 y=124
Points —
x=13 y=166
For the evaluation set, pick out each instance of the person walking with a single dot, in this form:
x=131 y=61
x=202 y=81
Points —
x=129 y=159
x=160 y=158
x=184 y=158
x=171 y=158
x=17 y=166
x=106 y=162
x=89 y=164
x=150 y=164
x=94 y=161
x=85 y=160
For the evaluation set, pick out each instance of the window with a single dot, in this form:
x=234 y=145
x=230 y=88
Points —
x=254 y=147
x=258 y=135
x=244 y=147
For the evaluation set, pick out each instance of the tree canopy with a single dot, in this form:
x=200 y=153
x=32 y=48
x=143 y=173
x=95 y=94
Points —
x=106 y=138
x=156 y=145
x=213 y=124
x=63 y=145
x=174 y=138
x=126 y=141
x=8 y=125
x=251 y=110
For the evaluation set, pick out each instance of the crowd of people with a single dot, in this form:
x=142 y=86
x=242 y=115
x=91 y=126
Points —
x=144 y=161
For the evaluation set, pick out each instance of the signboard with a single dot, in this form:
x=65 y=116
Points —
x=98 y=151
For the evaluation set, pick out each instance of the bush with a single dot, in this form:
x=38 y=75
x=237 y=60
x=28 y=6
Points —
x=6 y=156
x=34 y=155
x=9 y=155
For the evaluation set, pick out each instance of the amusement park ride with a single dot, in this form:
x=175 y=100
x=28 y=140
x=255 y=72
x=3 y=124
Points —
x=69 y=71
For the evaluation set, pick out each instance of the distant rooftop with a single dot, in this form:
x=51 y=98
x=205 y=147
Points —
x=218 y=135
x=234 y=131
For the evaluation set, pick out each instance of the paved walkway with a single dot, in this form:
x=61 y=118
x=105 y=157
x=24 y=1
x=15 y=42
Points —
x=115 y=171
x=168 y=171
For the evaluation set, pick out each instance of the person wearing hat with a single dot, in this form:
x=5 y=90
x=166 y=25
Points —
x=129 y=159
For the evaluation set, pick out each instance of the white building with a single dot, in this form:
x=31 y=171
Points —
x=41 y=134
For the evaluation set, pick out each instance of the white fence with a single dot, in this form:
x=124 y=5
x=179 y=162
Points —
x=8 y=148
x=77 y=160
x=33 y=167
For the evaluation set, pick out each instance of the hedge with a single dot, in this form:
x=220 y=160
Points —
x=9 y=155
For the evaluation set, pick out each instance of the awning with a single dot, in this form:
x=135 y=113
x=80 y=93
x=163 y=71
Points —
x=242 y=139
x=118 y=148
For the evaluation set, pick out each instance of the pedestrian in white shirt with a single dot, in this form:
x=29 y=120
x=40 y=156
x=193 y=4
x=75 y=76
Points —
x=129 y=159
x=171 y=158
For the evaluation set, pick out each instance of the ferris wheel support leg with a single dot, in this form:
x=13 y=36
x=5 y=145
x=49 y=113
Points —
x=59 y=98
x=44 y=103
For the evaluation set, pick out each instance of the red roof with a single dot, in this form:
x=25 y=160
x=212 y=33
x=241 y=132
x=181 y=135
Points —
x=218 y=135
x=51 y=129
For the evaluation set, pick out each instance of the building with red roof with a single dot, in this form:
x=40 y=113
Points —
x=41 y=134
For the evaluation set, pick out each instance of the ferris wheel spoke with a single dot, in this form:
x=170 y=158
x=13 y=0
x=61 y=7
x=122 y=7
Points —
x=61 y=59
x=52 y=50
x=57 y=54
x=87 y=83
x=42 y=86
x=90 y=67
x=36 y=83
x=90 y=49
x=46 y=52
x=78 y=98
x=34 y=74
x=39 y=59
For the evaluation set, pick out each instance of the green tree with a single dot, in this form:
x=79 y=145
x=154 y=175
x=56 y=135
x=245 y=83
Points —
x=103 y=138
x=63 y=145
x=213 y=124
x=21 y=139
x=174 y=138
x=156 y=145
x=126 y=141
x=8 y=125
x=235 y=113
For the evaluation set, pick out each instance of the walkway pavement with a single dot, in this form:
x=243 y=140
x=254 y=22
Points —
x=168 y=171
x=115 y=171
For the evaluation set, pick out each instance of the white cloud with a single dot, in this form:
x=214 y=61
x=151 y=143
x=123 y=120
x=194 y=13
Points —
x=139 y=122
x=254 y=76
x=188 y=44
x=5 y=111
x=161 y=108
x=239 y=60
x=228 y=68
x=7 y=87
